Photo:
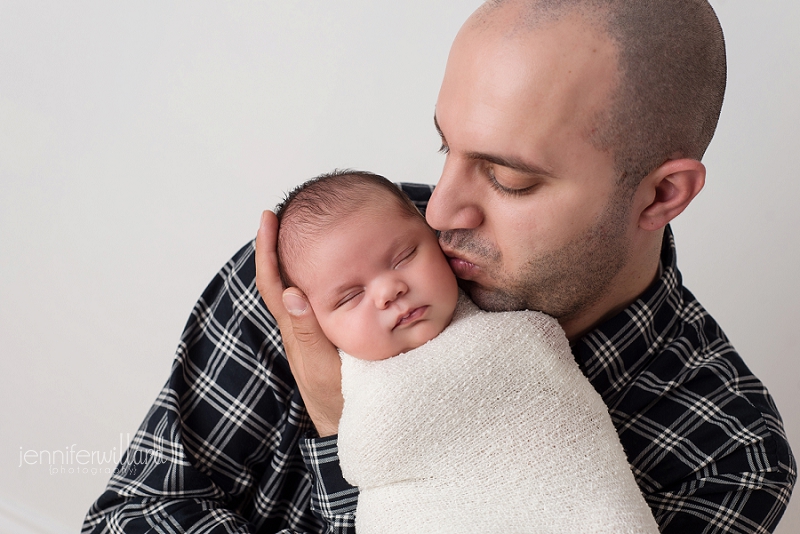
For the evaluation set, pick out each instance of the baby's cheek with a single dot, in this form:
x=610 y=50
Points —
x=333 y=330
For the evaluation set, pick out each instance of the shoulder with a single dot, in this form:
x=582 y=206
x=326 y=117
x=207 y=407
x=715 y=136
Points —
x=418 y=193
x=230 y=327
x=696 y=406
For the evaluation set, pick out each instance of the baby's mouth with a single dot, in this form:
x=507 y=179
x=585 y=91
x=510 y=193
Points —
x=411 y=316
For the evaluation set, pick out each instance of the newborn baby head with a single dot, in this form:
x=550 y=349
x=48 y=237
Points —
x=368 y=263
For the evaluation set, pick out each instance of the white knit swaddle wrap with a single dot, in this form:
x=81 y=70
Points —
x=490 y=427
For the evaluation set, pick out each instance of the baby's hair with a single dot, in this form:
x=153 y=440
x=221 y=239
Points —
x=313 y=208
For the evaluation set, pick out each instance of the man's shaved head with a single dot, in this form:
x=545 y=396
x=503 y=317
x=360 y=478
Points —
x=671 y=79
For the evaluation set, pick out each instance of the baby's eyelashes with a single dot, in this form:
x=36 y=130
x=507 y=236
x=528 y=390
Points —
x=405 y=256
x=349 y=298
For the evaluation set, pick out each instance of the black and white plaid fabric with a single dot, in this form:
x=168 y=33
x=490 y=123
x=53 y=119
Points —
x=225 y=449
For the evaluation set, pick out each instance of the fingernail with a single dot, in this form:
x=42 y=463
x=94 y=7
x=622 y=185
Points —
x=294 y=303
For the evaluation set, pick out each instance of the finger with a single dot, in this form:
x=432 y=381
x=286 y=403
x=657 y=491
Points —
x=315 y=363
x=268 y=278
x=313 y=359
x=305 y=327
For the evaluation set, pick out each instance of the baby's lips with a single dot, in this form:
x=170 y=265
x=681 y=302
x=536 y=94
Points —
x=411 y=315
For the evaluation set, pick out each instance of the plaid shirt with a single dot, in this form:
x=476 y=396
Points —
x=225 y=448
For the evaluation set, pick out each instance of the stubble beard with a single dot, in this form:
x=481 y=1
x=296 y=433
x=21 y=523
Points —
x=563 y=282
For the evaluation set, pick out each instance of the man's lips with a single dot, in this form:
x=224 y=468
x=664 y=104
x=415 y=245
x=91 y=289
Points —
x=462 y=268
x=411 y=316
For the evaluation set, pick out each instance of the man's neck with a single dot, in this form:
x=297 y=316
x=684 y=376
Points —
x=626 y=287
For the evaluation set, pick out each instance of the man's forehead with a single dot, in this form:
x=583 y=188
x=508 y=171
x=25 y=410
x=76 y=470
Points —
x=540 y=35
x=498 y=86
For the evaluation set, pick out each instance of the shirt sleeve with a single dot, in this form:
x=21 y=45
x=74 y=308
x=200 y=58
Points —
x=219 y=449
x=741 y=502
x=734 y=471
x=705 y=439
x=334 y=499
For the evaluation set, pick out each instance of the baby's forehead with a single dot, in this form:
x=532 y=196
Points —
x=339 y=249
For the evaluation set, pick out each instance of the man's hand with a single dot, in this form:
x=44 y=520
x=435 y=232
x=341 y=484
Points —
x=313 y=360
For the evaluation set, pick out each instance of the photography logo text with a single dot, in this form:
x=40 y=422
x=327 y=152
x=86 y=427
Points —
x=72 y=460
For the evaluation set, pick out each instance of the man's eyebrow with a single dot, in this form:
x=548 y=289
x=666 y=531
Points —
x=509 y=162
x=512 y=163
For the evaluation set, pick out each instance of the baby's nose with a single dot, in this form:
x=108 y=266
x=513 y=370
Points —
x=391 y=289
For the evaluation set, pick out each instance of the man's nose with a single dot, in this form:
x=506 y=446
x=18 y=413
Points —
x=389 y=288
x=455 y=202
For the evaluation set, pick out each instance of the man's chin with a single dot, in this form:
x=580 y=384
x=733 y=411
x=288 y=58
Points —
x=491 y=299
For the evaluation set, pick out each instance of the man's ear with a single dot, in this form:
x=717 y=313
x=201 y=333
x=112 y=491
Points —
x=669 y=189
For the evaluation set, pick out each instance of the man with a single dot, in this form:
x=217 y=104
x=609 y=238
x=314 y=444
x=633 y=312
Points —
x=574 y=132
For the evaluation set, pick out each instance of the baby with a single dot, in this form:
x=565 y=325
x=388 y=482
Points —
x=455 y=419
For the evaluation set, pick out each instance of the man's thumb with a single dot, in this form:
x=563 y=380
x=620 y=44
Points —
x=305 y=328
x=295 y=303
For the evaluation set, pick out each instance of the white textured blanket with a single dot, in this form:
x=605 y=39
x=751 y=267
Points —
x=490 y=427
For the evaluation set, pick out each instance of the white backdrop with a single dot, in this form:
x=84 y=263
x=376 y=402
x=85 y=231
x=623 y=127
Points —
x=140 y=142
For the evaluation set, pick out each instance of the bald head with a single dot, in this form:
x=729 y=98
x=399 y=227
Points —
x=671 y=73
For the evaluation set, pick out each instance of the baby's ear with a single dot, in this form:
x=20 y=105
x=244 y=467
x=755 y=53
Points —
x=669 y=189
